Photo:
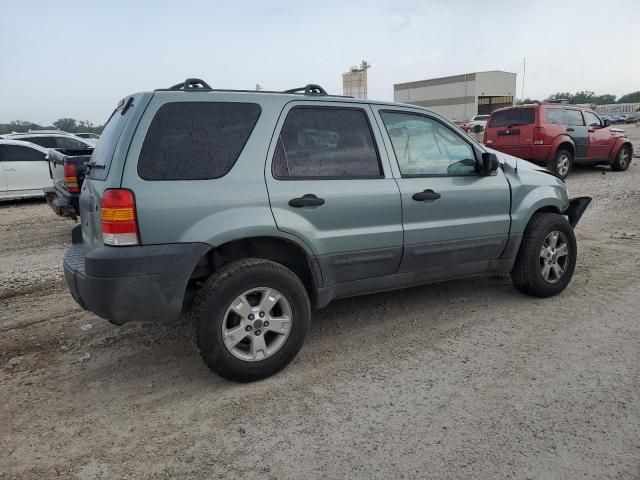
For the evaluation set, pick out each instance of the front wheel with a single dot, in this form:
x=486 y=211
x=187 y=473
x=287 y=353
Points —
x=547 y=256
x=561 y=163
x=623 y=159
x=250 y=319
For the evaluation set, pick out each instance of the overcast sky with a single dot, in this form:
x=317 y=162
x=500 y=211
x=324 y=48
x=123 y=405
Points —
x=78 y=58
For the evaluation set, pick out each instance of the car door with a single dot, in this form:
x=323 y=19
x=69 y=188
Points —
x=3 y=178
x=25 y=168
x=330 y=185
x=452 y=215
x=577 y=130
x=600 y=138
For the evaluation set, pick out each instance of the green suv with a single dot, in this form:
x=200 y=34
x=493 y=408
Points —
x=248 y=209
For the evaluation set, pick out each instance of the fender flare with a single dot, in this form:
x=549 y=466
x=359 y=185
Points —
x=560 y=139
x=617 y=146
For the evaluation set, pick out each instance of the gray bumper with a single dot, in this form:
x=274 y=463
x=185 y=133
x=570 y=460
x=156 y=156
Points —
x=122 y=284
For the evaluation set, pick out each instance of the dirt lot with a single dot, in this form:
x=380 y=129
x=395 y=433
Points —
x=465 y=379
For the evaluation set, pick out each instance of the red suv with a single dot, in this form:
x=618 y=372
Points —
x=557 y=136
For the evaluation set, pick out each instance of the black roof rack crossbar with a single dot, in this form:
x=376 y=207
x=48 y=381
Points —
x=311 y=89
x=191 y=84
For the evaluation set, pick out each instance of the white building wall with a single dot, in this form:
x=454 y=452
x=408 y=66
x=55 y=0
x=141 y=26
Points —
x=495 y=84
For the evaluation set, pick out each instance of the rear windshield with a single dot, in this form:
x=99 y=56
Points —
x=103 y=153
x=512 y=117
x=196 y=140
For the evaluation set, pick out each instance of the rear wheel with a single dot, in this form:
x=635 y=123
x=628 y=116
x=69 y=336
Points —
x=561 y=163
x=250 y=319
x=547 y=256
x=623 y=159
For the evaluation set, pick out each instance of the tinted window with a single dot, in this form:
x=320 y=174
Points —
x=326 y=143
x=195 y=140
x=574 y=117
x=70 y=143
x=592 y=119
x=46 y=142
x=424 y=146
x=16 y=153
x=512 y=117
x=556 y=116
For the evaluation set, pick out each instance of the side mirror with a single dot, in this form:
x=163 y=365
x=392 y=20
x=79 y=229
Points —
x=606 y=122
x=490 y=163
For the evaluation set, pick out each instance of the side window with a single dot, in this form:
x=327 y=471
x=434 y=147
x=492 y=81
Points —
x=574 y=117
x=592 y=119
x=556 y=116
x=424 y=146
x=18 y=153
x=326 y=143
x=196 y=140
x=46 y=142
x=69 y=143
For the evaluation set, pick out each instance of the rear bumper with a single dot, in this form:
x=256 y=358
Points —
x=122 y=284
x=62 y=202
x=533 y=153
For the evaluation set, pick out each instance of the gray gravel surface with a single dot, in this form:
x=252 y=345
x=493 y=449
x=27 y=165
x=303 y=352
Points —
x=464 y=379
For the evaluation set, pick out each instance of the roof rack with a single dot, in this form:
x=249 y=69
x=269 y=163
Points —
x=192 y=84
x=198 y=85
x=310 y=89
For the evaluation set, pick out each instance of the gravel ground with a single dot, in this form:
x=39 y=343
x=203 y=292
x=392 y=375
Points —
x=463 y=379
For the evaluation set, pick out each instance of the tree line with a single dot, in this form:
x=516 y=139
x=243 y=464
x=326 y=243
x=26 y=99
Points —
x=70 y=125
x=587 y=96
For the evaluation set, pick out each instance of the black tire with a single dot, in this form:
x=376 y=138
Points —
x=623 y=159
x=215 y=298
x=527 y=273
x=561 y=164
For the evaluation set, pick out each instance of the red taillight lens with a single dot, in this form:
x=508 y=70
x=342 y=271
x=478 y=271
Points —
x=538 y=135
x=118 y=213
x=71 y=177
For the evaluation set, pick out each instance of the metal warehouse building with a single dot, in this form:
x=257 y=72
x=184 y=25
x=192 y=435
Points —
x=461 y=96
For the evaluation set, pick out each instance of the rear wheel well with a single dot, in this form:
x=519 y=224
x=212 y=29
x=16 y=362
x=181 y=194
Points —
x=276 y=249
x=566 y=146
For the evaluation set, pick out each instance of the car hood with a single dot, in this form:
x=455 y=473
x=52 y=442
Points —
x=517 y=164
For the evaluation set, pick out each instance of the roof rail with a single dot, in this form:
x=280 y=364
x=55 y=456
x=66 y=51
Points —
x=310 y=89
x=191 y=84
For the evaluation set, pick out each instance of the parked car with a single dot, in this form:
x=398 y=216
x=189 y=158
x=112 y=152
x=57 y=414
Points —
x=478 y=123
x=63 y=142
x=67 y=174
x=92 y=138
x=464 y=126
x=24 y=170
x=248 y=209
x=558 y=136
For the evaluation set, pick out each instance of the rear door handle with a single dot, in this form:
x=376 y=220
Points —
x=571 y=129
x=308 y=200
x=10 y=169
x=426 y=196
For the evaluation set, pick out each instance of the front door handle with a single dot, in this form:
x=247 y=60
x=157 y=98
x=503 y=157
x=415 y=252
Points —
x=308 y=200
x=426 y=196
x=569 y=129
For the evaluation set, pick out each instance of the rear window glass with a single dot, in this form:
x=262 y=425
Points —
x=574 y=117
x=555 y=116
x=196 y=140
x=326 y=143
x=512 y=117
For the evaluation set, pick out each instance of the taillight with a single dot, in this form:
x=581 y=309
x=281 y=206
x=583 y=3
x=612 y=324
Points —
x=538 y=135
x=118 y=213
x=71 y=177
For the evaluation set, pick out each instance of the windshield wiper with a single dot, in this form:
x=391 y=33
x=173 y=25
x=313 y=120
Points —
x=91 y=165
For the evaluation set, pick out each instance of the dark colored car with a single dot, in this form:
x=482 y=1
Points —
x=558 y=136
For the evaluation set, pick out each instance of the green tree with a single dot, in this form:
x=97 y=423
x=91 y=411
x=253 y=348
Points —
x=633 y=97
x=66 y=124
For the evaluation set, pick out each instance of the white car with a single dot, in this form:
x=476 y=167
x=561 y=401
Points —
x=59 y=141
x=92 y=138
x=24 y=170
x=480 y=120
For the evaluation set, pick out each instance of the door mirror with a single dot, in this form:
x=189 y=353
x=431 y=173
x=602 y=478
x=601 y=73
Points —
x=490 y=163
x=606 y=122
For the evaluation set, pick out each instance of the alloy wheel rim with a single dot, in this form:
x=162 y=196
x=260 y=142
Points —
x=563 y=165
x=257 y=324
x=554 y=257
x=624 y=156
